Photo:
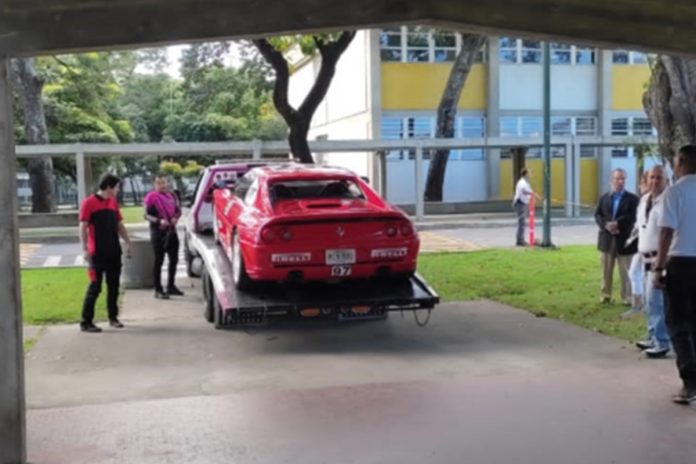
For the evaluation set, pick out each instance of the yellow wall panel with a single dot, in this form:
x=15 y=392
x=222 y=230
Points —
x=507 y=191
x=588 y=182
x=628 y=85
x=419 y=86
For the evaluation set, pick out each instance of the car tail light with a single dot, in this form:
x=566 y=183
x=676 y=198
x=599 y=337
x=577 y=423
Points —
x=267 y=234
x=286 y=234
x=406 y=229
x=391 y=230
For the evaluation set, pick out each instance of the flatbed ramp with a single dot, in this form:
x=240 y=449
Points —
x=358 y=299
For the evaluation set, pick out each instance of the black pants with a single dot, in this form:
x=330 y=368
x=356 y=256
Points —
x=164 y=243
x=96 y=272
x=680 y=306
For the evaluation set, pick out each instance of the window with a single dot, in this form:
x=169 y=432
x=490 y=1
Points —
x=508 y=126
x=531 y=51
x=444 y=46
x=632 y=126
x=629 y=57
x=469 y=127
x=619 y=126
x=417 y=44
x=561 y=53
x=561 y=126
x=251 y=193
x=421 y=44
x=390 y=44
x=532 y=126
x=508 y=50
x=315 y=189
x=642 y=126
x=584 y=55
x=585 y=125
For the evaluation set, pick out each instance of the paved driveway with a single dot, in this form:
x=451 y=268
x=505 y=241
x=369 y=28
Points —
x=482 y=383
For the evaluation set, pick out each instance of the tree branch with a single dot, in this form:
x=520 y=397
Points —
x=280 y=90
x=330 y=53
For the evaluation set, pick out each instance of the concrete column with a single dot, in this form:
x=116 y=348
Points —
x=82 y=189
x=604 y=96
x=569 y=179
x=373 y=101
x=256 y=155
x=420 y=187
x=493 y=116
x=12 y=406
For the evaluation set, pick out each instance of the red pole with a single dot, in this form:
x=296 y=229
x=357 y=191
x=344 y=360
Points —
x=531 y=221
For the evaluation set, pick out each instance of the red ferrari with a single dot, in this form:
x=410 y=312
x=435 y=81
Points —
x=298 y=223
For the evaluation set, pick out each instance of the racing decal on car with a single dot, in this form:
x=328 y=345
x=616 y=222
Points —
x=389 y=252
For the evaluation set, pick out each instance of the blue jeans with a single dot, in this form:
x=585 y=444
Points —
x=655 y=309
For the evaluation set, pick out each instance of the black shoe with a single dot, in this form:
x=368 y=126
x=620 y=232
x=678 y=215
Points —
x=160 y=295
x=645 y=344
x=91 y=328
x=656 y=352
x=684 y=396
x=174 y=291
x=521 y=244
x=115 y=323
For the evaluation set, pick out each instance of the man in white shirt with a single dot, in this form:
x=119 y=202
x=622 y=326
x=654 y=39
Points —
x=675 y=268
x=523 y=193
x=657 y=345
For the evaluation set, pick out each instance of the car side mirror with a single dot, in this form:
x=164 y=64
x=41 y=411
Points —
x=365 y=179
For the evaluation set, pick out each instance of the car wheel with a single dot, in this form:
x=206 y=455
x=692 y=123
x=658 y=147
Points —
x=239 y=274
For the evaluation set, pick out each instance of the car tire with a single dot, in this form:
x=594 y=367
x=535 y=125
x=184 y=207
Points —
x=239 y=274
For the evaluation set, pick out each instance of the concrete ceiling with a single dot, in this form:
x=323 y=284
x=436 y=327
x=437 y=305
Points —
x=50 y=26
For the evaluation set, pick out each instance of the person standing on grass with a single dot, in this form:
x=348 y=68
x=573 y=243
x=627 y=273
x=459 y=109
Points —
x=616 y=215
x=523 y=193
x=162 y=211
x=675 y=268
x=636 y=271
x=657 y=345
x=101 y=224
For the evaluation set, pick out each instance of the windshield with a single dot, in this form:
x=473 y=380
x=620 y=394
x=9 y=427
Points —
x=315 y=189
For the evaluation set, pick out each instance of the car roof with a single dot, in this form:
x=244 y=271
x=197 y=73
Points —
x=289 y=171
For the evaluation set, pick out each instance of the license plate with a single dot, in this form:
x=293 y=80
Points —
x=340 y=271
x=345 y=256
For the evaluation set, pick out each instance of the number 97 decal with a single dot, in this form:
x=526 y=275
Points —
x=340 y=271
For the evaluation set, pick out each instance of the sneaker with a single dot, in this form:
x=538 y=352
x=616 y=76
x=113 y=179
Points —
x=633 y=312
x=645 y=344
x=656 y=352
x=684 y=396
x=90 y=328
x=115 y=323
x=174 y=291
x=160 y=295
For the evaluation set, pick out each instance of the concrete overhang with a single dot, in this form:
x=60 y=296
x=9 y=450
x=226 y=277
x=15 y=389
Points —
x=52 y=26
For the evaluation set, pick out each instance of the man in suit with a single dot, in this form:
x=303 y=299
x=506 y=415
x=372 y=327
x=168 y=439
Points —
x=616 y=215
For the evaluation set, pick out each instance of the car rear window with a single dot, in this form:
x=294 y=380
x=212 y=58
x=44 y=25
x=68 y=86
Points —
x=315 y=189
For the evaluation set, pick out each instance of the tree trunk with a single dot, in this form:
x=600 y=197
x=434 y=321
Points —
x=670 y=103
x=29 y=86
x=447 y=112
x=298 y=120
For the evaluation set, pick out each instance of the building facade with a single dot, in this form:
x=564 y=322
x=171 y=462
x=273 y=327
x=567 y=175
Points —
x=389 y=82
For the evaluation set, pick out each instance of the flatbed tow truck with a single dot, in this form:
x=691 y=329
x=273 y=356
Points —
x=227 y=307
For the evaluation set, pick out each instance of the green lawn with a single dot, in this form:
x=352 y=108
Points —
x=563 y=284
x=55 y=296
x=132 y=214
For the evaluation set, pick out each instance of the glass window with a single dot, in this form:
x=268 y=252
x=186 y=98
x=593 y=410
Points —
x=532 y=126
x=619 y=126
x=620 y=57
x=314 y=189
x=419 y=127
x=445 y=46
x=638 y=58
x=390 y=44
x=584 y=55
x=642 y=126
x=560 y=53
x=560 y=125
x=508 y=50
x=531 y=51
x=472 y=127
x=508 y=126
x=619 y=153
x=585 y=125
x=417 y=44
x=391 y=128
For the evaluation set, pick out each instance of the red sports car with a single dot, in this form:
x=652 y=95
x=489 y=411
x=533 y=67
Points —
x=296 y=223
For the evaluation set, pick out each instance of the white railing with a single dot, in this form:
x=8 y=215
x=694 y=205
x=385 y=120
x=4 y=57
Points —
x=256 y=150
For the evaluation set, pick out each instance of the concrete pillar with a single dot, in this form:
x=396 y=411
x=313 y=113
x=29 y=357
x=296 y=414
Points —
x=604 y=96
x=493 y=117
x=256 y=155
x=12 y=406
x=376 y=169
x=569 y=179
x=420 y=187
x=82 y=189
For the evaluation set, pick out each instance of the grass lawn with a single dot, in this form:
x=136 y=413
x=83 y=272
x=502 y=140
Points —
x=55 y=296
x=563 y=284
x=132 y=214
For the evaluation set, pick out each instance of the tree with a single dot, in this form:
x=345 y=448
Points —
x=670 y=103
x=29 y=85
x=330 y=47
x=447 y=112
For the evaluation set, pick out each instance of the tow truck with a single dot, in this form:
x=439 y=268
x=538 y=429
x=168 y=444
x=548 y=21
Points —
x=226 y=307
